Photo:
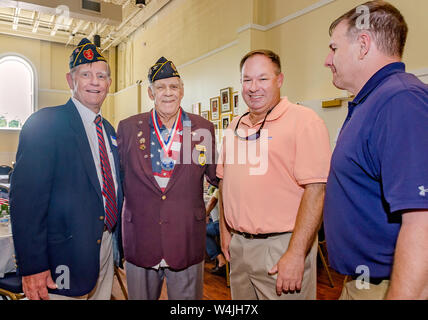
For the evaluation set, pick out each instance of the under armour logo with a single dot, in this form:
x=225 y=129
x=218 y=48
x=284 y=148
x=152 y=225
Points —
x=423 y=191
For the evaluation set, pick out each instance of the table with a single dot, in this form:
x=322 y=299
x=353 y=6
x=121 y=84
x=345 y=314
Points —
x=7 y=250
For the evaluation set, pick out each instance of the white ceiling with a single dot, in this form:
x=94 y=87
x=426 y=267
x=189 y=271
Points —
x=58 y=23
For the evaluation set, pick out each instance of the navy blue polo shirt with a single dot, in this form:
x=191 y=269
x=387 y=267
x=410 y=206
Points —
x=379 y=168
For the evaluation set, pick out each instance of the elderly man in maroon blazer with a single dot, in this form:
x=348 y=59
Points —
x=165 y=154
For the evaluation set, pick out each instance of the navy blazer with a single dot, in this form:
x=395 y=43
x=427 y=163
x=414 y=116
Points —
x=56 y=205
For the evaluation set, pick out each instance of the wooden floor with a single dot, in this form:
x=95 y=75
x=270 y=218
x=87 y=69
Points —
x=215 y=287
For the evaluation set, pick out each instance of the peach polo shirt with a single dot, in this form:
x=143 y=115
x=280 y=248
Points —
x=263 y=180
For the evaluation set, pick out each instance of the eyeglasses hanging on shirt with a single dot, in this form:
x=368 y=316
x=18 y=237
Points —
x=253 y=136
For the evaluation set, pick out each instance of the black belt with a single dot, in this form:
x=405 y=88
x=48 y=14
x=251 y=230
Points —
x=371 y=280
x=259 y=235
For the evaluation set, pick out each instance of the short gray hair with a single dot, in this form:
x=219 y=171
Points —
x=152 y=83
x=387 y=25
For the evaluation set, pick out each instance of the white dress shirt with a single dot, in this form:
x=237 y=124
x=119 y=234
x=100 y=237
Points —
x=88 y=117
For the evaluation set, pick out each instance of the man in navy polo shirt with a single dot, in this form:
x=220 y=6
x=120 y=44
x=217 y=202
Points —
x=376 y=204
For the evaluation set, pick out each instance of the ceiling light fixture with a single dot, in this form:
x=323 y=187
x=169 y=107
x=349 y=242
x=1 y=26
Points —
x=140 y=3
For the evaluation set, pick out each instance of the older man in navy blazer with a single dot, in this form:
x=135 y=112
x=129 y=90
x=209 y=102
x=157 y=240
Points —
x=165 y=154
x=66 y=193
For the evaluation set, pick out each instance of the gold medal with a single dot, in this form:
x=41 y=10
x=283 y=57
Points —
x=143 y=147
x=202 y=159
x=140 y=134
x=142 y=140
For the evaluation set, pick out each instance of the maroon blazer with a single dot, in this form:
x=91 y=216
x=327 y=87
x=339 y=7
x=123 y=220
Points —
x=169 y=225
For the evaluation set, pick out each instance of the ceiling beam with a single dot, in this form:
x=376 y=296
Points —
x=16 y=18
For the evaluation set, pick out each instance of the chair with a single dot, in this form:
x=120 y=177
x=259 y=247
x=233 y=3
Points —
x=227 y=275
x=324 y=262
x=4 y=192
x=5 y=170
x=322 y=243
x=11 y=286
x=119 y=279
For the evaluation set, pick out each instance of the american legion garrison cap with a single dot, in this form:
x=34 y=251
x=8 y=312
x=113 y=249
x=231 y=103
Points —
x=86 y=52
x=162 y=69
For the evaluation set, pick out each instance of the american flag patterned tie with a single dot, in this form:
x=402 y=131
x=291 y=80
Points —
x=108 y=190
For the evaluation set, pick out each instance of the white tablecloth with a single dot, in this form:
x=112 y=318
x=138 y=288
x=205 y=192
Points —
x=4 y=178
x=7 y=251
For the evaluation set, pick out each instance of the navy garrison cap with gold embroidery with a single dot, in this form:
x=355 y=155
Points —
x=86 y=52
x=162 y=69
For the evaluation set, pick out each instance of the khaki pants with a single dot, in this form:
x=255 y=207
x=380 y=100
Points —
x=103 y=288
x=351 y=291
x=252 y=259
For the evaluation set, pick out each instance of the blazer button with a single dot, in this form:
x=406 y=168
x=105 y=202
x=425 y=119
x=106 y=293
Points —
x=98 y=241
x=101 y=217
x=163 y=197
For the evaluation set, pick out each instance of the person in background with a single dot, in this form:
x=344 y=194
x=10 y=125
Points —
x=376 y=204
x=213 y=234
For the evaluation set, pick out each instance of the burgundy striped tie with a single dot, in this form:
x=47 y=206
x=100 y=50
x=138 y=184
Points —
x=108 y=190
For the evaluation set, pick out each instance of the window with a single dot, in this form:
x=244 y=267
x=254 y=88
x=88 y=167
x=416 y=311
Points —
x=17 y=99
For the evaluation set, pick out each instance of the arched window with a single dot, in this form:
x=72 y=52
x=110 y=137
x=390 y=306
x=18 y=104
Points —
x=17 y=92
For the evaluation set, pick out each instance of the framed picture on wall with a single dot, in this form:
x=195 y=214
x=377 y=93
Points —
x=216 y=126
x=217 y=131
x=205 y=114
x=225 y=96
x=215 y=108
x=235 y=102
x=196 y=108
x=226 y=119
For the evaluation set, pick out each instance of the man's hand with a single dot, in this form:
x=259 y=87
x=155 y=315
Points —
x=225 y=233
x=35 y=285
x=290 y=269
x=225 y=237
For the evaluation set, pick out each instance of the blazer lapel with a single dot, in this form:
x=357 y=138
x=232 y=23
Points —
x=113 y=147
x=143 y=152
x=185 y=157
x=76 y=125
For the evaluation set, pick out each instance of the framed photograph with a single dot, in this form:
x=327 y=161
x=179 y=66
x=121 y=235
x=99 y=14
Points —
x=215 y=108
x=217 y=131
x=216 y=126
x=205 y=114
x=226 y=103
x=226 y=119
x=196 y=108
x=235 y=102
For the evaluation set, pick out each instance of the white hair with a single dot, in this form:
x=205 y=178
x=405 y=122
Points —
x=152 y=83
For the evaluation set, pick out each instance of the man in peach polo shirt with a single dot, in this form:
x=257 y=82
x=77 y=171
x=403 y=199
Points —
x=273 y=169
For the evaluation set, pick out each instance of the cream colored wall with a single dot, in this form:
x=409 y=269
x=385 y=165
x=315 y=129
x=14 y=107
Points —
x=206 y=40
x=303 y=46
x=50 y=61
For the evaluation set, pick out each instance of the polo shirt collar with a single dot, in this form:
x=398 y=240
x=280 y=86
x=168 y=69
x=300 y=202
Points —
x=279 y=110
x=376 y=79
